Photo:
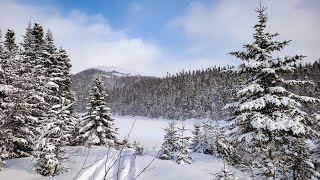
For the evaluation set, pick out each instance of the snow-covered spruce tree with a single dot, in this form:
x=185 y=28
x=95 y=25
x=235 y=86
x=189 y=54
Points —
x=3 y=61
x=3 y=147
x=50 y=146
x=267 y=117
x=59 y=85
x=223 y=148
x=59 y=127
x=55 y=136
x=10 y=42
x=213 y=141
x=184 y=156
x=196 y=138
x=66 y=91
x=33 y=79
x=225 y=174
x=8 y=54
x=19 y=143
x=207 y=143
x=171 y=141
x=97 y=125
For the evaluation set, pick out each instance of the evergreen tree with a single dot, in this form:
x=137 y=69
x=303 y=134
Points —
x=59 y=84
x=3 y=146
x=267 y=117
x=225 y=174
x=34 y=108
x=208 y=142
x=50 y=146
x=184 y=156
x=10 y=42
x=68 y=95
x=8 y=54
x=50 y=47
x=171 y=141
x=213 y=141
x=196 y=139
x=97 y=125
x=16 y=127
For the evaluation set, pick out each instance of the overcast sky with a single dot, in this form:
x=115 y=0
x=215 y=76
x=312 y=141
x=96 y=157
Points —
x=158 y=36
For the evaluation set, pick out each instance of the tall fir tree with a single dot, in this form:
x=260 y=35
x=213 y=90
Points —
x=3 y=146
x=67 y=95
x=37 y=61
x=97 y=125
x=16 y=126
x=59 y=85
x=33 y=78
x=50 y=147
x=58 y=130
x=267 y=117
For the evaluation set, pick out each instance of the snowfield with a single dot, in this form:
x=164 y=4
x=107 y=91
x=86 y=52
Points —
x=94 y=163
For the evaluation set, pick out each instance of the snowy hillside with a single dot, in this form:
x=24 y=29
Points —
x=150 y=133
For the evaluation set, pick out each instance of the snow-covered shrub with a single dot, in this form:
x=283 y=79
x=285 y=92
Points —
x=184 y=156
x=48 y=163
x=138 y=147
x=165 y=153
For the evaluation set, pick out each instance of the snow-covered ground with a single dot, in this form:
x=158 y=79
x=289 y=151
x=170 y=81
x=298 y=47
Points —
x=97 y=161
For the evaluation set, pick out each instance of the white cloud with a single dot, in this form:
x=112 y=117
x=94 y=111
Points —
x=232 y=21
x=89 y=39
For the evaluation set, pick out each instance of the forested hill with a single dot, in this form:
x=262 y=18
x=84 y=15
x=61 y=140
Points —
x=195 y=94
x=81 y=83
x=188 y=94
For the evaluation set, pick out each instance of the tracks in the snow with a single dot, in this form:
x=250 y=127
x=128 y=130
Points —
x=116 y=165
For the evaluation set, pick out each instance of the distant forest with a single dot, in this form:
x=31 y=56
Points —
x=188 y=94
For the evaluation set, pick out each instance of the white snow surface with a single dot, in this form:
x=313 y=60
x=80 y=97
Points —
x=145 y=130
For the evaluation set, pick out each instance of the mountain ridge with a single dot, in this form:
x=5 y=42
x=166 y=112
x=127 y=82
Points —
x=114 y=70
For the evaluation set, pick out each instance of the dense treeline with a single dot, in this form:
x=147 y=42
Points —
x=194 y=94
